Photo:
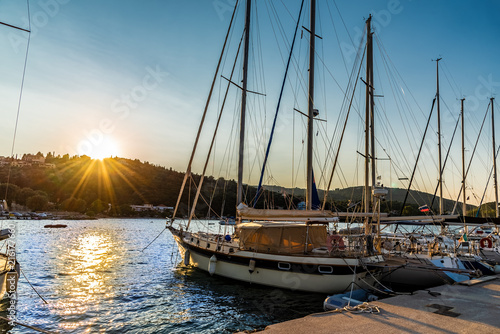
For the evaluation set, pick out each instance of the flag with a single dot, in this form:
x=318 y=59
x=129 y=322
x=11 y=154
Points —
x=463 y=238
x=424 y=208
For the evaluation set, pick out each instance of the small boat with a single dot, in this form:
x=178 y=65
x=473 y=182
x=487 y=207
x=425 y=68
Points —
x=353 y=298
x=55 y=226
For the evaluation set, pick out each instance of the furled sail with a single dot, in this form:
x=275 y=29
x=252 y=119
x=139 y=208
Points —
x=246 y=212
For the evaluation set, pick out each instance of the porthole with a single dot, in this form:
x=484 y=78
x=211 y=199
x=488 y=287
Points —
x=325 y=269
x=284 y=265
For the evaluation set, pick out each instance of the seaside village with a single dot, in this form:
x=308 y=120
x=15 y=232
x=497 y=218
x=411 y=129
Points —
x=26 y=160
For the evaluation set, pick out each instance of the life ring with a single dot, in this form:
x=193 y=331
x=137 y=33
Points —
x=335 y=242
x=486 y=243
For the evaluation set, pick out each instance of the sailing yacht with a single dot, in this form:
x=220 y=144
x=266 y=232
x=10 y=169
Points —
x=291 y=249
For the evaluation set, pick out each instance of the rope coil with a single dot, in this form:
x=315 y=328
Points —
x=361 y=308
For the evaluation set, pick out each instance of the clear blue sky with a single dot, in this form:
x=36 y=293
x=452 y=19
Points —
x=135 y=74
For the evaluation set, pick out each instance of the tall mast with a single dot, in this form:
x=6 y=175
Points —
x=310 y=129
x=440 y=182
x=495 y=184
x=464 y=208
x=239 y=197
x=367 y=113
x=369 y=53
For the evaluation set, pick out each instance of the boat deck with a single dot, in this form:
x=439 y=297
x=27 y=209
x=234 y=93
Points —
x=448 y=309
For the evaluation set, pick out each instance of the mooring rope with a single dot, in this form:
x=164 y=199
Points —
x=27 y=326
x=361 y=308
x=26 y=278
x=154 y=239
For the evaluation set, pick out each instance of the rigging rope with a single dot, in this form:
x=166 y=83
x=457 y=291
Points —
x=418 y=156
x=278 y=106
x=472 y=156
x=485 y=187
x=20 y=96
x=188 y=169
x=445 y=160
x=341 y=138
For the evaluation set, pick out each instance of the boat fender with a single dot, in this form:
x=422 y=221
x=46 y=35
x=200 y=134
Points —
x=486 y=243
x=212 y=263
x=251 y=266
x=187 y=254
x=387 y=244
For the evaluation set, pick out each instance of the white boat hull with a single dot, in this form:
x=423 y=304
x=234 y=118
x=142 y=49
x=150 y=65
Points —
x=298 y=273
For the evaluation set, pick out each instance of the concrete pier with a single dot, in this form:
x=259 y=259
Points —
x=473 y=308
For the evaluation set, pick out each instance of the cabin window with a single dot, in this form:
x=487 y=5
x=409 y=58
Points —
x=284 y=265
x=325 y=269
x=208 y=245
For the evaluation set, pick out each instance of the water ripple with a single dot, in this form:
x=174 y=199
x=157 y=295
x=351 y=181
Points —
x=96 y=280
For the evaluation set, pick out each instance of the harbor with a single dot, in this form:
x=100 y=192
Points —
x=471 y=307
x=249 y=167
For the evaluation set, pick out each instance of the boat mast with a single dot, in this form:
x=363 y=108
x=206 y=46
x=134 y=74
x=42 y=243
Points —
x=239 y=197
x=368 y=113
x=310 y=109
x=372 y=106
x=495 y=184
x=202 y=122
x=440 y=182
x=464 y=208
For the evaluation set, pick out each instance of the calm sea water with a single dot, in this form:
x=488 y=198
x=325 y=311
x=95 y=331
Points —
x=96 y=280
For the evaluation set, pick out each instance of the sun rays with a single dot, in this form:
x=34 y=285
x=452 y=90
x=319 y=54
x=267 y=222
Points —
x=99 y=179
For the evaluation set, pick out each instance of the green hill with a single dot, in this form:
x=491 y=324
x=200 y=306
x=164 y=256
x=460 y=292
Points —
x=110 y=186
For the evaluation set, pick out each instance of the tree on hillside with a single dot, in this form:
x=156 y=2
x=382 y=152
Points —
x=98 y=206
x=23 y=195
x=74 y=204
x=8 y=192
x=37 y=203
x=410 y=210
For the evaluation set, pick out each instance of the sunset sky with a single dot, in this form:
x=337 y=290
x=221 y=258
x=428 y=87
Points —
x=130 y=78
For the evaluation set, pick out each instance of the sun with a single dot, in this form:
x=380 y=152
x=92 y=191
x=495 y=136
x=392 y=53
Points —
x=105 y=147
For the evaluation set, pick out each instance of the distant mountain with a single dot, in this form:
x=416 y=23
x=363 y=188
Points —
x=395 y=196
x=84 y=185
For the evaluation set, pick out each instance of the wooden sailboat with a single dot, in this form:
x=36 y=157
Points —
x=289 y=249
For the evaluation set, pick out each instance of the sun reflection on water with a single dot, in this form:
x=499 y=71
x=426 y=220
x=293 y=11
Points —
x=86 y=271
